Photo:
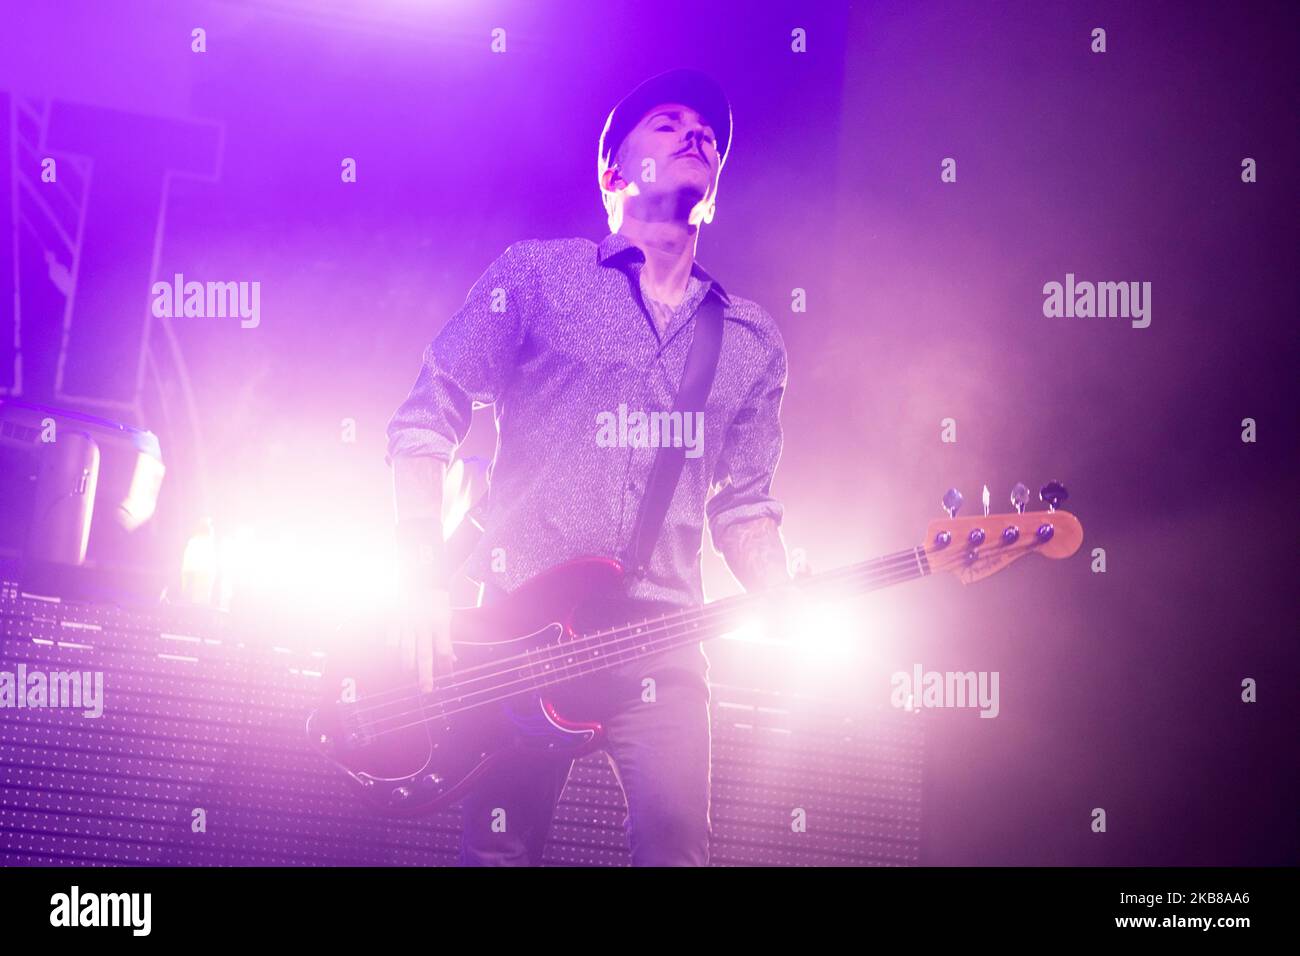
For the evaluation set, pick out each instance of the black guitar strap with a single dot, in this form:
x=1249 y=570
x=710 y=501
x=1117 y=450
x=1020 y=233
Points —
x=692 y=393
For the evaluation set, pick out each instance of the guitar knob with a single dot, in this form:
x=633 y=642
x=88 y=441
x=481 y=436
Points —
x=1053 y=493
x=1019 y=497
x=1044 y=533
x=976 y=537
x=1010 y=535
x=952 y=500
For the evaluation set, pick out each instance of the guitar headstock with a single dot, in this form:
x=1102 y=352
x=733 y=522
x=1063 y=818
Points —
x=981 y=545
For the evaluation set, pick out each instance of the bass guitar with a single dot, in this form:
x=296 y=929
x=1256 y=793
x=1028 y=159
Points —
x=412 y=752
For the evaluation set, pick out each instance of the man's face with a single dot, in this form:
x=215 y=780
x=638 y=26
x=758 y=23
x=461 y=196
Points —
x=671 y=151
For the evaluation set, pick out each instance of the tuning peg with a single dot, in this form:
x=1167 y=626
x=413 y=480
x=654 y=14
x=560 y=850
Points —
x=952 y=500
x=986 y=501
x=1019 y=497
x=1053 y=493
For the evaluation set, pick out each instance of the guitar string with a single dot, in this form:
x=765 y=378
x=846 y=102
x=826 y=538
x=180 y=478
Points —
x=550 y=652
x=532 y=683
x=554 y=651
x=632 y=645
x=638 y=647
x=850 y=574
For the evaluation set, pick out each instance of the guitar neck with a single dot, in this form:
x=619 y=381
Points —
x=602 y=650
x=1052 y=534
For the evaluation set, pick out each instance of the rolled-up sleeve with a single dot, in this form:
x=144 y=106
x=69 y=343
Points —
x=750 y=452
x=469 y=362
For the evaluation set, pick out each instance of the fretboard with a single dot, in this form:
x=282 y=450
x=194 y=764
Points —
x=602 y=650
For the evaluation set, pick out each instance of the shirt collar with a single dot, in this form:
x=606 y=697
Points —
x=615 y=247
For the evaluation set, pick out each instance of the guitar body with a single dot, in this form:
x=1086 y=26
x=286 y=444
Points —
x=405 y=756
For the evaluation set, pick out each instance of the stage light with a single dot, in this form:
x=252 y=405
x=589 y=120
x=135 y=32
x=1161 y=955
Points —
x=339 y=569
x=199 y=566
x=828 y=628
x=65 y=475
x=342 y=568
x=752 y=631
x=826 y=643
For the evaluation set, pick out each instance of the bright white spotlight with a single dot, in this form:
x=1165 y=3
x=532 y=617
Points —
x=825 y=630
x=339 y=568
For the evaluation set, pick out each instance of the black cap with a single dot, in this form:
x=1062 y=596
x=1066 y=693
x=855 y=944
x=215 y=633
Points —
x=691 y=88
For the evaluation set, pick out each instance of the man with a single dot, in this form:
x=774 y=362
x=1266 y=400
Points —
x=560 y=335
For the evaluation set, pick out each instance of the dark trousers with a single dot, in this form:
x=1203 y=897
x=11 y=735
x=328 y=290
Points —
x=655 y=712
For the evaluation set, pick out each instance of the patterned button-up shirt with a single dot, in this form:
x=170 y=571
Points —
x=556 y=335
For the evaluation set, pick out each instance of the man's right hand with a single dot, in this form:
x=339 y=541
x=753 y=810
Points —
x=424 y=634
